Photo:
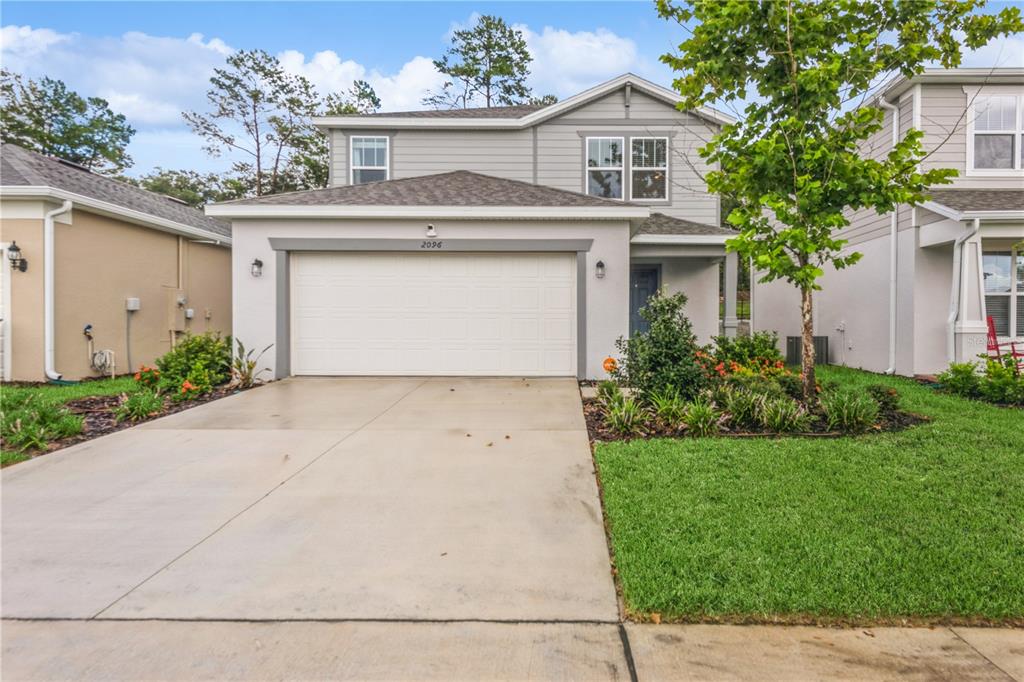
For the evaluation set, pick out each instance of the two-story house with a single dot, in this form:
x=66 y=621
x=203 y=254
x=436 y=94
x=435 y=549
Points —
x=932 y=274
x=518 y=240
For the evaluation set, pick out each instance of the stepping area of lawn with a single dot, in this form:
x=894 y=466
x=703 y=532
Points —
x=923 y=525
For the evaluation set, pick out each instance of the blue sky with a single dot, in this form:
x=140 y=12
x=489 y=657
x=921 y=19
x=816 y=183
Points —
x=152 y=60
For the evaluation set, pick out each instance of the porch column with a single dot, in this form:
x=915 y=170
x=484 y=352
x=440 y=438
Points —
x=971 y=328
x=731 y=284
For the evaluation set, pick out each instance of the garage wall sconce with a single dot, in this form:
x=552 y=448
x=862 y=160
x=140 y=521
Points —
x=431 y=231
x=256 y=269
x=599 y=269
x=14 y=257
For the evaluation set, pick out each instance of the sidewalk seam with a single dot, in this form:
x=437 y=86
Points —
x=975 y=650
x=627 y=651
x=267 y=494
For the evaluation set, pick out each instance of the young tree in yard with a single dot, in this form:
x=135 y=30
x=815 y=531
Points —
x=486 y=64
x=795 y=166
x=195 y=189
x=46 y=117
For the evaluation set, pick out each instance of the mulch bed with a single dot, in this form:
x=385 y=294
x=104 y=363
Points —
x=97 y=414
x=891 y=421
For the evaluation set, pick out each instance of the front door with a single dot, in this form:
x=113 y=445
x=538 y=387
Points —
x=643 y=283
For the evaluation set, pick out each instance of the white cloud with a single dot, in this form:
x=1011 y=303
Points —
x=25 y=41
x=565 y=62
x=1001 y=53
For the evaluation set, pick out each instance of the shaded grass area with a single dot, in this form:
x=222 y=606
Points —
x=55 y=395
x=925 y=524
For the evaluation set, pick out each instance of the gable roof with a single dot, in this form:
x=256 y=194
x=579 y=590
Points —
x=899 y=84
x=457 y=194
x=24 y=173
x=512 y=111
x=446 y=119
x=661 y=224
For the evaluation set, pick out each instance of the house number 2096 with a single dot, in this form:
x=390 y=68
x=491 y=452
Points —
x=431 y=244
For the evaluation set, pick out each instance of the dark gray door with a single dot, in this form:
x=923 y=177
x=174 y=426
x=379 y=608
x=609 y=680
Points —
x=643 y=283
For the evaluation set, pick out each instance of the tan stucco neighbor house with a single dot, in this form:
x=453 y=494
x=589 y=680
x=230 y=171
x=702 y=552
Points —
x=930 y=274
x=98 y=276
x=513 y=240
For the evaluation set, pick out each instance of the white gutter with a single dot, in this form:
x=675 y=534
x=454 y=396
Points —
x=48 y=268
x=714 y=239
x=893 y=245
x=954 y=297
x=243 y=210
x=109 y=209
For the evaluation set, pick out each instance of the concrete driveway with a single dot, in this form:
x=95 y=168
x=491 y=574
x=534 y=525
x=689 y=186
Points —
x=319 y=498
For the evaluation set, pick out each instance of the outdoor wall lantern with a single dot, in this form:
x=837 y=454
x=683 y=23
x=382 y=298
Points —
x=257 y=268
x=431 y=231
x=599 y=270
x=14 y=256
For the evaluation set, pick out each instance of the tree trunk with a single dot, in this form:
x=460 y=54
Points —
x=807 y=345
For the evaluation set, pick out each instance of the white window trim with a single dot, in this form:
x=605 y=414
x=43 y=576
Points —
x=668 y=177
x=352 y=167
x=972 y=95
x=1016 y=294
x=587 y=167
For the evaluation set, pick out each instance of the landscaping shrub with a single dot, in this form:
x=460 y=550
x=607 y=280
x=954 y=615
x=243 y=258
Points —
x=886 y=397
x=147 y=377
x=849 y=411
x=1002 y=383
x=758 y=349
x=757 y=384
x=29 y=423
x=702 y=418
x=609 y=394
x=627 y=417
x=782 y=415
x=203 y=360
x=243 y=365
x=664 y=358
x=668 y=407
x=740 y=405
x=138 y=406
x=961 y=379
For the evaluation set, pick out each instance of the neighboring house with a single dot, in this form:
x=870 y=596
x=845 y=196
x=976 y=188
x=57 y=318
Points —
x=496 y=241
x=930 y=274
x=132 y=269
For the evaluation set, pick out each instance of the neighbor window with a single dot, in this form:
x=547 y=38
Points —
x=997 y=132
x=648 y=170
x=1004 y=291
x=369 y=159
x=604 y=167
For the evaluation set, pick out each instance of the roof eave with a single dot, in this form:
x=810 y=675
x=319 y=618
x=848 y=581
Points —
x=433 y=212
x=112 y=210
x=954 y=214
x=690 y=239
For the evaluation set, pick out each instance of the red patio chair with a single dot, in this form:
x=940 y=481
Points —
x=999 y=350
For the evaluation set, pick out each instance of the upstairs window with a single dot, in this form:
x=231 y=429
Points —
x=648 y=177
x=369 y=159
x=604 y=167
x=996 y=140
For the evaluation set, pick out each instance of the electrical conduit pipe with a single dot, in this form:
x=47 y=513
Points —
x=48 y=268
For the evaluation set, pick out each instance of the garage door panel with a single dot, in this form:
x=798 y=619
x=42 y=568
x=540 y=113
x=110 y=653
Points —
x=414 y=313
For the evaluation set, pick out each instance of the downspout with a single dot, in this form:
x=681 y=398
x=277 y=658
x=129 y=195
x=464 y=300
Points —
x=893 y=245
x=48 y=267
x=954 y=297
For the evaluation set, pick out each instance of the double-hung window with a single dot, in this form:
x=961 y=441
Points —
x=369 y=159
x=648 y=171
x=997 y=134
x=1004 y=291
x=604 y=167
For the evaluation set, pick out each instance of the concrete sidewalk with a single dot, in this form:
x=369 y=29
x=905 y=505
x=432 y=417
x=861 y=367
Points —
x=176 y=650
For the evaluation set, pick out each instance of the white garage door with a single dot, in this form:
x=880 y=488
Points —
x=434 y=314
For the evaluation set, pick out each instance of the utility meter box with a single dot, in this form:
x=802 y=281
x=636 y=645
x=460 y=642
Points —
x=176 y=310
x=131 y=304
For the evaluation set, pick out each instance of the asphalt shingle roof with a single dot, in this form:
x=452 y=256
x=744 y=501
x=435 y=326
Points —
x=659 y=223
x=21 y=167
x=457 y=188
x=980 y=199
x=513 y=111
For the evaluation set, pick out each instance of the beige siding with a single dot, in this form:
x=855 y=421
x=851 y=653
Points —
x=866 y=224
x=612 y=105
x=101 y=261
x=507 y=153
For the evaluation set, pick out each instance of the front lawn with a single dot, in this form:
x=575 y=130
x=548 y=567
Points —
x=925 y=524
x=54 y=395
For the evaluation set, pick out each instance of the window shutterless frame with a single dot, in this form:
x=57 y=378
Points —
x=603 y=158
x=1004 y=300
x=995 y=126
x=369 y=159
x=649 y=157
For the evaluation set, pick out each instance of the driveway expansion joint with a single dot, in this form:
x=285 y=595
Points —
x=989 y=660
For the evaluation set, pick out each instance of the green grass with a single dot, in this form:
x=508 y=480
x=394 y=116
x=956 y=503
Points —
x=53 y=394
x=927 y=523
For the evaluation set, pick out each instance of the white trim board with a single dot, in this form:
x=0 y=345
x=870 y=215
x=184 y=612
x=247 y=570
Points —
x=434 y=212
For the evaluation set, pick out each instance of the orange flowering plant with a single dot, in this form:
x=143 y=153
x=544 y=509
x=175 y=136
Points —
x=147 y=376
